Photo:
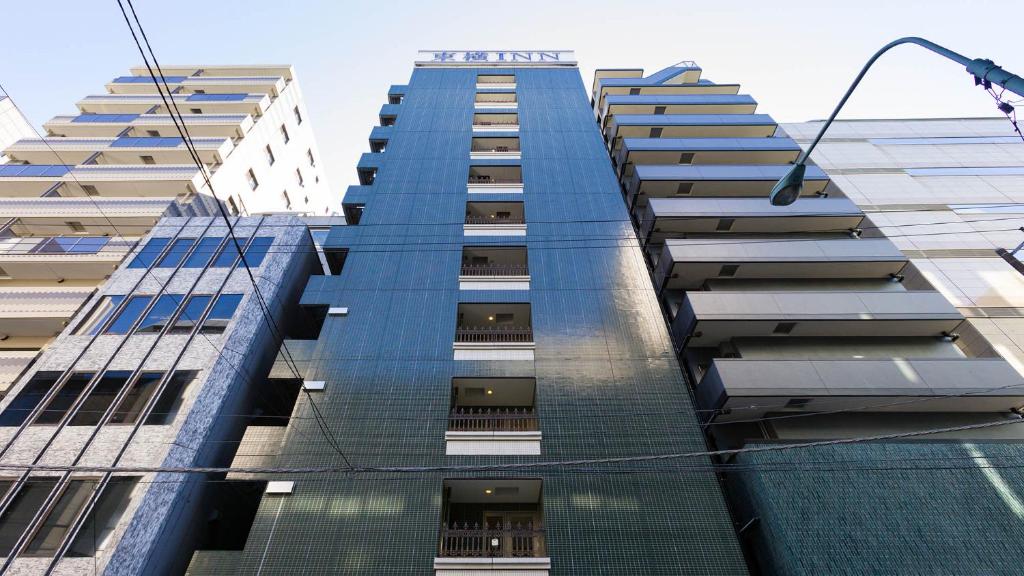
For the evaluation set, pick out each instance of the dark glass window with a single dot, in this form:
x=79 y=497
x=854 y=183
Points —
x=227 y=256
x=176 y=253
x=127 y=412
x=160 y=314
x=257 y=250
x=64 y=398
x=29 y=397
x=22 y=509
x=203 y=253
x=58 y=522
x=221 y=313
x=100 y=523
x=173 y=396
x=129 y=314
x=102 y=396
x=147 y=256
x=191 y=314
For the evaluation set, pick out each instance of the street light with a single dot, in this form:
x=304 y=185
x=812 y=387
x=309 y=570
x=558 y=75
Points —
x=985 y=72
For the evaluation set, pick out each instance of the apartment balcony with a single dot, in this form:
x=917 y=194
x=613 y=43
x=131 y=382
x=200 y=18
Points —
x=59 y=258
x=687 y=126
x=711 y=318
x=33 y=180
x=379 y=138
x=494 y=268
x=660 y=181
x=118 y=151
x=617 y=104
x=251 y=104
x=496 y=81
x=493 y=331
x=495 y=179
x=223 y=70
x=153 y=125
x=496 y=148
x=97 y=216
x=743 y=389
x=691 y=264
x=493 y=416
x=509 y=539
x=495 y=122
x=703 y=151
x=494 y=219
x=678 y=217
x=492 y=99
x=143 y=84
x=28 y=312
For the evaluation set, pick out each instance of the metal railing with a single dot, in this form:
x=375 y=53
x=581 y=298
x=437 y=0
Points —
x=494 y=334
x=483 y=179
x=496 y=149
x=492 y=419
x=464 y=540
x=495 y=220
x=494 y=270
x=510 y=80
x=495 y=122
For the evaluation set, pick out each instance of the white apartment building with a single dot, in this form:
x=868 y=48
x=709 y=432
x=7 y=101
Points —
x=13 y=126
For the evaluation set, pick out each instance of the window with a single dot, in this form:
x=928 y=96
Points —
x=659 y=110
x=127 y=412
x=191 y=314
x=22 y=510
x=100 y=398
x=298 y=115
x=686 y=158
x=153 y=133
x=173 y=396
x=784 y=327
x=29 y=397
x=147 y=256
x=176 y=253
x=656 y=132
x=284 y=134
x=100 y=523
x=221 y=313
x=634 y=91
x=725 y=224
x=76 y=226
x=257 y=250
x=61 y=518
x=90 y=190
x=160 y=314
x=203 y=252
x=287 y=200
x=129 y=314
x=98 y=316
x=270 y=155
x=298 y=177
x=253 y=182
x=232 y=207
x=684 y=188
x=148 y=159
x=309 y=154
x=65 y=397
x=227 y=256
x=196 y=110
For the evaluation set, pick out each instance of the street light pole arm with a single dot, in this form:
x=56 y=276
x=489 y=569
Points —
x=980 y=68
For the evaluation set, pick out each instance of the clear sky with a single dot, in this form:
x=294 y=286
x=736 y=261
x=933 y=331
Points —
x=795 y=57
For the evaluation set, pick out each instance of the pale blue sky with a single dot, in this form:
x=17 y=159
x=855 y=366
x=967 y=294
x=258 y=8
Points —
x=794 y=57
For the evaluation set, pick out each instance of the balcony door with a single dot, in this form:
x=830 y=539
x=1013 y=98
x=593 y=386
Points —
x=512 y=534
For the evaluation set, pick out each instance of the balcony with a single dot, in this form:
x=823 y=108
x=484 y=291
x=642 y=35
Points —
x=691 y=264
x=677 y=104
x=492 y=526
x=506 y=100
x=223 y=70
x=33 y=180
x=58 y=258
x=495 y=179
x=502 y=81
x=493 y=331
x=494 y=219
x=711 y=318
x=152 y=125
x=143 y=84
x=494 y=268
x=484 y=122
x=499 y=148
x=493 y=416
x=97 y=216
x=687 y=126
x=28 y=312
x=743 y=389
x=252 y=104
x=118 y=151
x=703 y=151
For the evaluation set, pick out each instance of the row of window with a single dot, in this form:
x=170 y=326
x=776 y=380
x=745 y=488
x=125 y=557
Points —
x=199 y=252
x=139 y=392
x=161 y=314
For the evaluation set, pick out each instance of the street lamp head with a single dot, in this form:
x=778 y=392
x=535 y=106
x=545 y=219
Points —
x=788 y=188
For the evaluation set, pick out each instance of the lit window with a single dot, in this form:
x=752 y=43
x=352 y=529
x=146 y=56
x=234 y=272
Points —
x=147 y=256
x=253 y=182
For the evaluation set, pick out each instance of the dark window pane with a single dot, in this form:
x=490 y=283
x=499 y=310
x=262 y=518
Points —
x=101 y=397
x=57 y=524
x=257 y=250
x=29 y=397
x=167 y=406
x=221 y=313
x=22 y=509
x=177 y=252
x=149 y=252
x=129 y=315
x=191 y=315
x=160 y=313
x=100 y=523
x=99 y=315
x=203 y=253
x=64 y=398
x=227 y=255
x=127 y=412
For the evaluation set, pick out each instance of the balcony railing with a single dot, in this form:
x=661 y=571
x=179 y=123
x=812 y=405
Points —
x=495 y=220
x=492 y=419
x=493 y=334
x=56 y=245
x=464 y=540
x=495 y=123
x=496 y=150
x=493 y=180
x=494 y=270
